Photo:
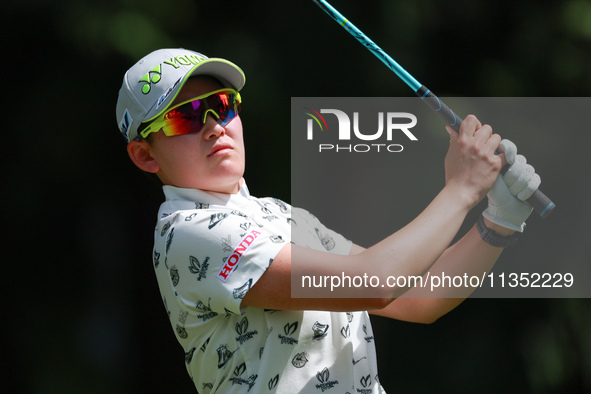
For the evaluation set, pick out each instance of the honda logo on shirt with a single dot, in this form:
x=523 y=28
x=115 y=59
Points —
x=232 y=261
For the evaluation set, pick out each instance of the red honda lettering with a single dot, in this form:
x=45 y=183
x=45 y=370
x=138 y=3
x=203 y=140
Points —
x=236 y=255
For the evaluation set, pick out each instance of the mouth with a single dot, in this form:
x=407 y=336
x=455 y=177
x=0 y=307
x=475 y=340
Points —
x=220 y=149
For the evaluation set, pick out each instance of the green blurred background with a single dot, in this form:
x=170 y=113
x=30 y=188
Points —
x=83 y=313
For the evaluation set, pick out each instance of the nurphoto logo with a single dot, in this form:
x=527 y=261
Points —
x=348 y=129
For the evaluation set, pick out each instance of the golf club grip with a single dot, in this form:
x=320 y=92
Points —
x=439 y=106
x=539 y=201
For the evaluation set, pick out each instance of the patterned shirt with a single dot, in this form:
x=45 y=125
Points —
x=209 y=250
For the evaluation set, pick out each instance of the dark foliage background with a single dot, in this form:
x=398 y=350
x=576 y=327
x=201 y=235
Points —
x=82 y=310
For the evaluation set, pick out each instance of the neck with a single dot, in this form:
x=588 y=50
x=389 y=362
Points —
x=230 y=189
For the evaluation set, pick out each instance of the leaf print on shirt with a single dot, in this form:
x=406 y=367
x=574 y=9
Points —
x=273 y=382
x=289 y=330
x=236 y=379
x=346 y=331
x=324 y=379
x=197 y=267
x=206 y=309
x=242 y=331
x=365 y=382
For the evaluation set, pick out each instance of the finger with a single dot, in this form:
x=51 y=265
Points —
x=510 y=150
x=529 y=190
x=478 y=123
x=503 y=159
x=484 y=133
x=453 y=135
x=470 y=125
x=492 y=141
x=523 y=181
x=514 y=172
x=501 y=155
x=485 y=139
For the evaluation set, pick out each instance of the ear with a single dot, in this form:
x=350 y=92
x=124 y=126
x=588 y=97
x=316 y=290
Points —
x=140 y=152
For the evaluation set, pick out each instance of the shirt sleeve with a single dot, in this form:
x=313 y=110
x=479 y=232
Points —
x=213 y=257
x=309 y=232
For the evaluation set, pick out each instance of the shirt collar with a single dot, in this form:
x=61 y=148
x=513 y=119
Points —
x=172 y=193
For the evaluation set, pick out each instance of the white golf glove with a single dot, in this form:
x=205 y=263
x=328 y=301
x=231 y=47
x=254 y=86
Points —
x=506 y=199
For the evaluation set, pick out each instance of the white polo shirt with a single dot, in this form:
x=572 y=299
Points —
x=209 y=250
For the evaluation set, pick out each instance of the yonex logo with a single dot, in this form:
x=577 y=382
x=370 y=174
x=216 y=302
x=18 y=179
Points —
x=152 y=77
x=155 y=75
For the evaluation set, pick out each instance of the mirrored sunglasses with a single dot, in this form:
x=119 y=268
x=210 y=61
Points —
x=190 y=116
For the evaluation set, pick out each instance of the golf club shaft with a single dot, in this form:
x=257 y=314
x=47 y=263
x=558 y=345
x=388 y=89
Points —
x=539 y=201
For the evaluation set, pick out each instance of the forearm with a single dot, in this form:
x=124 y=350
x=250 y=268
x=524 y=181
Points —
x=470 y=256
x=412 y=250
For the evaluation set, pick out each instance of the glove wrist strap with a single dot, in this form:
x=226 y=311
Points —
x=491 y=237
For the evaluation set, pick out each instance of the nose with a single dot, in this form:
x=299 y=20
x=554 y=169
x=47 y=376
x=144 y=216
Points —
x=212 y=129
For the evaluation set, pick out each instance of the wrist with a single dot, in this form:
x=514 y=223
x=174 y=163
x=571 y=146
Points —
x=500 y=230
x=462 y=196
x=493 y=238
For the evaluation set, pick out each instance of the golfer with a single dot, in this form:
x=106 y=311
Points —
x=224 y=259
